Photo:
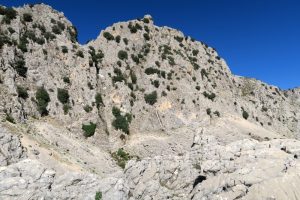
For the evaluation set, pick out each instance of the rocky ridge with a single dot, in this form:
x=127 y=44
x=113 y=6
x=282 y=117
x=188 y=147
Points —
x=148 y=99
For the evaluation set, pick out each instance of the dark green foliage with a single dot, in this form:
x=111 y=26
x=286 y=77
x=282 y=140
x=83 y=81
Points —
x=151 y=70
x=87 y=108
x=217 y=113
x=43 y=99
x=245 y=114
x=19 y=66
x=27 y=17
x=118 y=39
x=66 y=80
x=197 y=87
x=146 y=36
x=64 y=49
x=96 y=57
x=146 y=20
x=63 y=95
x=80 y=54
x=121 y=122
x=56 y=30
x=49 y=36
x=121 y=157
x=99 y=100
x=125 y=40
x=151 y=98
x=210 y=96
x=122 y=55
x=98 y=196
x=10 y=118
x=9 y=14
x=135 y=58
x=22 y=92
x=134 y=28
x=204 y=73
x=66 y=108
x=108 y=36
x=23 y=43
x=171 y=60
x=119 y=77
x=89 y=129
x=208 y=111
x=195 y=52
x=156 y=83
x=4 y=39
x=178 y=38
x=61 y=26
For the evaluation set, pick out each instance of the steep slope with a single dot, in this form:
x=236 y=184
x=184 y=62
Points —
x=142 y=89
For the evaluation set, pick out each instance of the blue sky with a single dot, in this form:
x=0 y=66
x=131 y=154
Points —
x=257 y=38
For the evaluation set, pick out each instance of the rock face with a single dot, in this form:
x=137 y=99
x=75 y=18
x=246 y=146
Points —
x=141 y=112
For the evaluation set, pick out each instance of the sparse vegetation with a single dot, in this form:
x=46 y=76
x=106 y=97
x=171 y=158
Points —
x=80 y=54
x=245 y=114
x=19 y=66
x=10 y=118
x=121 y=157
x=89 y=129
x=9 y=14
x=64 y=49
x=66 y=80
x=87 y=108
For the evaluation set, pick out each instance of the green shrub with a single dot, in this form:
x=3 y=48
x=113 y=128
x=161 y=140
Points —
x=151 y=98
x=22 y=92
x=146 y=36
x=178 y=38
x=63 y=95
x=121 y=122
x=210 y=96
x=119 y=76
x=11 y=30
x=80 y=54
x=197 y=87
x=204 y=73
x=135 y=59
x=4 y=39
x=245 y=114
x=61 y=25
x=151 y=70
x=195 y=52
x=171 y=60
x=122 y=55
x=208 y=111
x=19 y=66
x=66 y=80
x=10 y=118
x=27 y=17
x=108 y=36
x=146 y=20
x=156 y=83
x=87 y=108
x=43 y=99
x=121 y=157
x=9 y=14
x=98 y=99
x=89 y=129
x=118 y=39
x=98 y=196
x=66 y=108
x=125 y=40
x=49 y=36
x=217 y=113
x=64 y=49
x=56 y=30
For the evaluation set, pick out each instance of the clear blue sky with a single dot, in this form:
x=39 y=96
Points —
x=257 y=38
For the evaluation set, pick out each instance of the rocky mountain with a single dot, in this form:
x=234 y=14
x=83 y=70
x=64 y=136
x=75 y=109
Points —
x=141 y=112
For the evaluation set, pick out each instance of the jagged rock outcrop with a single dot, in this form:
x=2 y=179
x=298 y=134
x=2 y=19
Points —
x=141 y=112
